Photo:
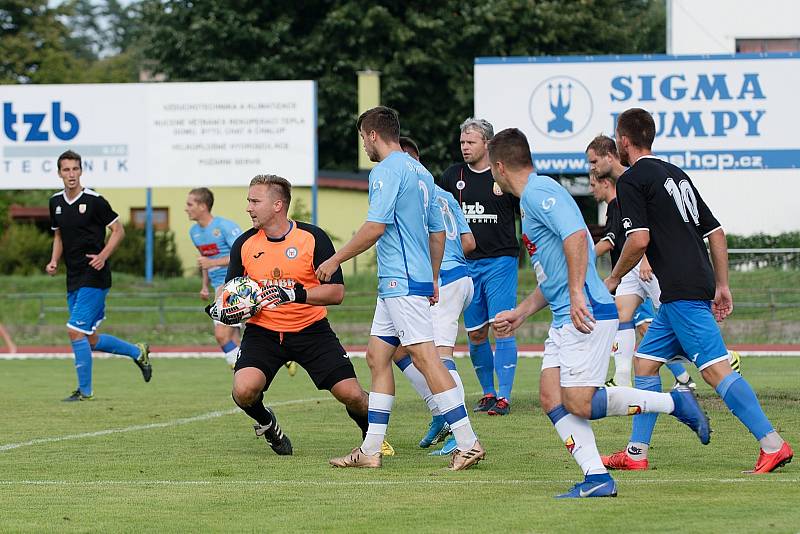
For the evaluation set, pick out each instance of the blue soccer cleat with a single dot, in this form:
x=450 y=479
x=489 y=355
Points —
x=447 y=449
x=593 y=486
x=437 y=430
x=688 y=411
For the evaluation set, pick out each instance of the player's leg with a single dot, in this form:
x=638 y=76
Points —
x=227 y=338
x=95 y=300
x=700 y=335
x=501 y=295
x=476 y=323
x=86 y=309
x=260 y=358
x=437 y=428
x=575 y=432
x=629 y=297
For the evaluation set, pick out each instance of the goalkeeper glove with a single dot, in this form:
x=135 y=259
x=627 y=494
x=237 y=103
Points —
x=230 y=315
x=273 y=296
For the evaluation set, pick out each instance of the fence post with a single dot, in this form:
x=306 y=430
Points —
x=772 y=305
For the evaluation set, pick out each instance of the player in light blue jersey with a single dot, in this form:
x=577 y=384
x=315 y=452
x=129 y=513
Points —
x=213 y=237
x=578 y=346
x=407 y=226
x=455 y=294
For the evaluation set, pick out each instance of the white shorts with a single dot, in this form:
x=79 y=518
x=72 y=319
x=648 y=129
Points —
x=631 y=284
x=583 y=358
x=453 y=300
x=407 y=318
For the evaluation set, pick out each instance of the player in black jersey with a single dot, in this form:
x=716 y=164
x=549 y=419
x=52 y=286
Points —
x=664 y=215
x=79 y=217
x=490 y=214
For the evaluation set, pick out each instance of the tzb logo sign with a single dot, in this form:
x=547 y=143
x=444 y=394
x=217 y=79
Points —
x=63 y=125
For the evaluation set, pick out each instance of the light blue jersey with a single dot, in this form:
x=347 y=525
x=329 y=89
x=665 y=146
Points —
x=215 y=241
x=550 y=215
x=454 y=264
x=402 y=196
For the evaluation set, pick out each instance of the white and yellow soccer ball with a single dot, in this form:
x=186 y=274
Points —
x=240 y=299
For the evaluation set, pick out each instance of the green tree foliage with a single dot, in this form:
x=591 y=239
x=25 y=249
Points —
x=26 y=249
x=129 y=256
x=424 y=51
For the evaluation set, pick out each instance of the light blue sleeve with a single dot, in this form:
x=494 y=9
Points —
x=230 y=231
x=557 y=211
x=191 y=234
x=384 y=188
x=435 y=220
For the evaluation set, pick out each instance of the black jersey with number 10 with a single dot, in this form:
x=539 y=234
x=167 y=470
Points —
x=657 y=196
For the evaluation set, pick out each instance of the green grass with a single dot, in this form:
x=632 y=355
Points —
x=753 y=294
x=213 y=474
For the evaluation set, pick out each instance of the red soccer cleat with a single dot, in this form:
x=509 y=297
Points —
x=620 y=460
x=770 y=462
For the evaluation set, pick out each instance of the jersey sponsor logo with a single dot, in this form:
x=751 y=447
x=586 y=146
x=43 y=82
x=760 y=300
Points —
x=210 y=249
x=496 y=190
x=256 y=256
x=477 y=213
x=530 y=246
x=569 y=443
x=548 y=203
x=280 y=282
x=626 y=223
x=58 y=210
x=460 y=185
x=81 y=208
x=291 y=253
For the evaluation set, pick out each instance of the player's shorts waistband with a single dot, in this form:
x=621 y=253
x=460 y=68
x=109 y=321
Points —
x=451 y=275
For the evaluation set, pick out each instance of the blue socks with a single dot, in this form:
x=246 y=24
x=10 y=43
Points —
x=83 y=364
x=114 y=345
x=229 y=346
x=505 y=364
x=676 y=369
x=644 y=423
x=483 y=362
x=599 y=404
x=743 y=403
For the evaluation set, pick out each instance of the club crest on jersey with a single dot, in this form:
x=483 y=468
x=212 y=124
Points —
x=216 y=232
x=548 y=203
x=291 y=253
x=569 y=443
x=634 y=410
x=530 y=246
x=460 y=185
x=496 y=190
x=276 y=272
x=58 y=210
x=81 y=208
x=626 y=223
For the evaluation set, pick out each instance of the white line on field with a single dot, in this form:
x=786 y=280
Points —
x=756 y=479
x=135 y=428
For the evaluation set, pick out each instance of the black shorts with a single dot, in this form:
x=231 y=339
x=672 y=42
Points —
x=316 y=348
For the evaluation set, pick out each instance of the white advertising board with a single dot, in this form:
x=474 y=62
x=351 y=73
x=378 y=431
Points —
x=159 y=134
x=712 y=113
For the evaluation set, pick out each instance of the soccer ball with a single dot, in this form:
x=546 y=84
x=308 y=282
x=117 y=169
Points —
x=240 y=292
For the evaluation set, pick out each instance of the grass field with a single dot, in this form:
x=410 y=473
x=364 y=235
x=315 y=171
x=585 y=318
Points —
x=174 y=455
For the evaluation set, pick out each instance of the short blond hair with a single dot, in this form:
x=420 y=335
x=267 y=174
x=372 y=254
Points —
x=275 y=183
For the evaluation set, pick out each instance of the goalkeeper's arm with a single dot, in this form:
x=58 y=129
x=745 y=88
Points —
x=322 y=295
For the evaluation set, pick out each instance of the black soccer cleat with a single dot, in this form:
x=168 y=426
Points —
x=77 y=396
x=143 y=361
x=276 y=439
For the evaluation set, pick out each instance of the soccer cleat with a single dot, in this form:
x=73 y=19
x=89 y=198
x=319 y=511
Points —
x=387 y=449
x=437 y=430
x=274 y=436
x=689 y=384
x=291 y=368
x=77 y=395
x=485 y=403
x=143 y=361
x=586 y=489
x=447 y=449
x=770 y=462
x=622 y=461
x=610 y=383
x=688 y=411
x=461 y=460
x=735 y=359
x=501 y=407
x=357 y=458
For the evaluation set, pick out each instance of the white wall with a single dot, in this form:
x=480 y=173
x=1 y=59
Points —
x=745 y=202
x=712 y=26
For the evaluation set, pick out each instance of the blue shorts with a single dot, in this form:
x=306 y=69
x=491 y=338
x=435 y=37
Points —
x=87 y=309
x=684 y=328
x=495 y=281
x=644 y=313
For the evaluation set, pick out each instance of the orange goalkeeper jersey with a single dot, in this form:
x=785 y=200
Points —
x=283 y=262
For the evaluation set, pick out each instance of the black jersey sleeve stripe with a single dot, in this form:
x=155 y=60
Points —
x=323 y=250
x=235 y=266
